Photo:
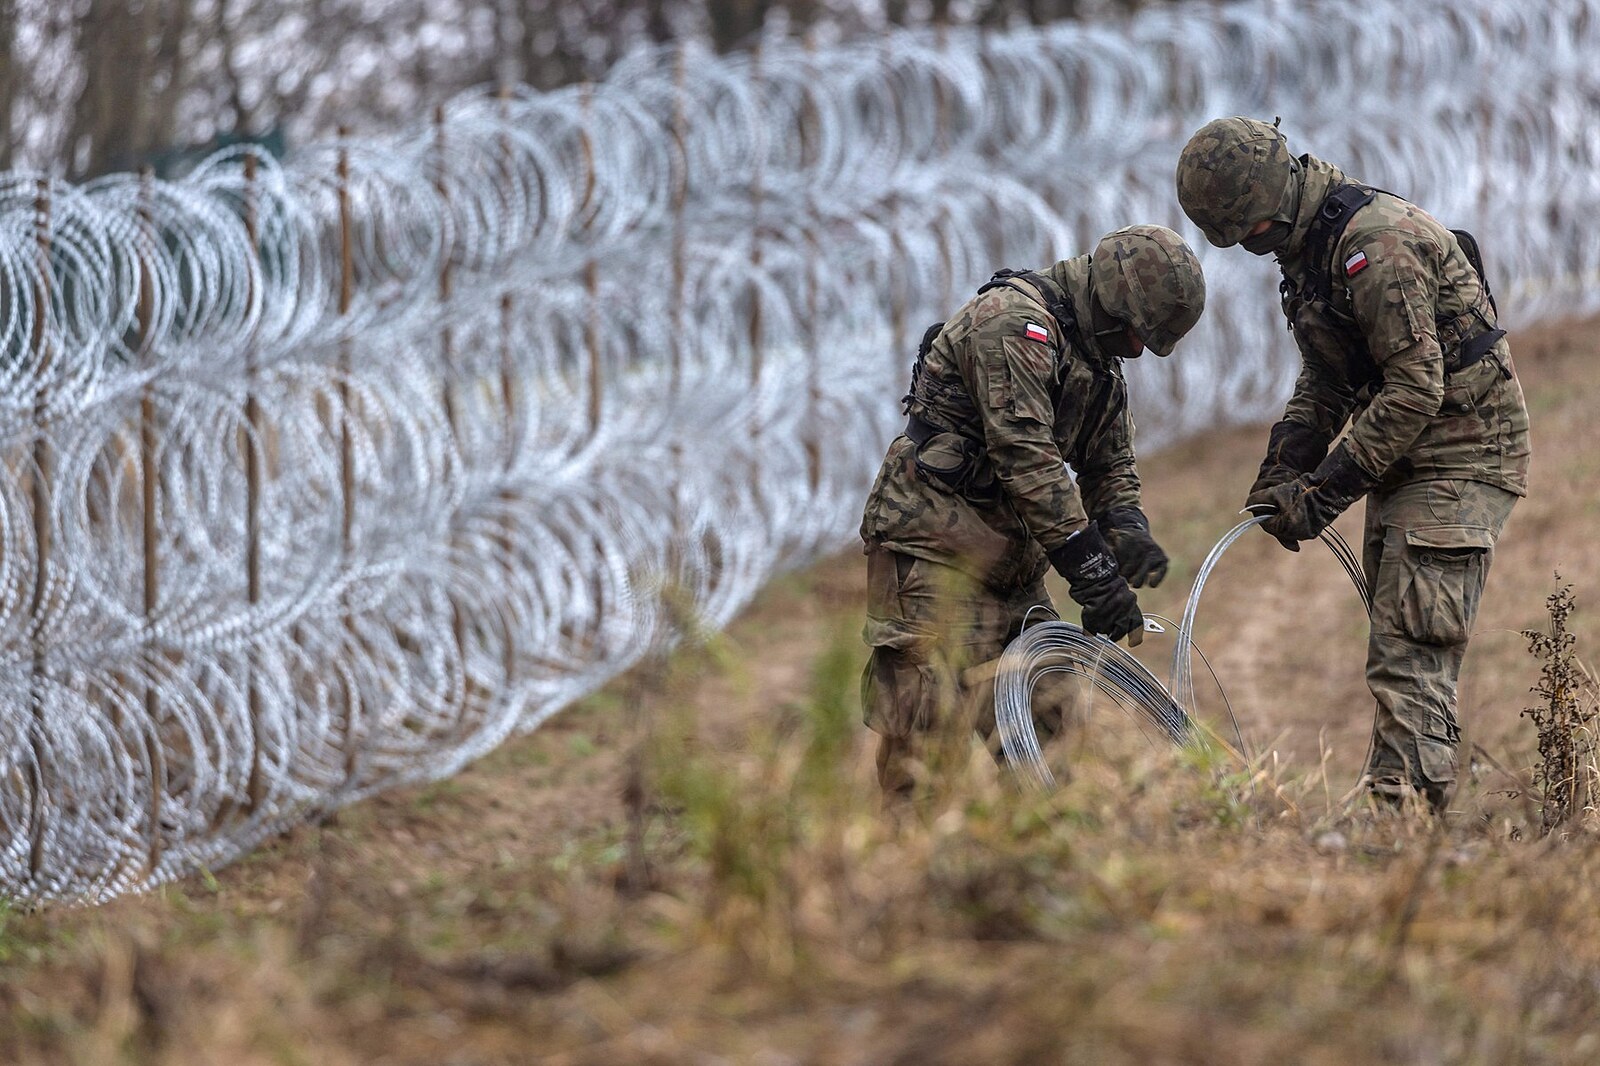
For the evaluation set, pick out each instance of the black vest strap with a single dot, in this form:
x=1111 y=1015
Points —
x=1469 y=245
x=1340 y=206
x=1055 y=301
x=1324 y=232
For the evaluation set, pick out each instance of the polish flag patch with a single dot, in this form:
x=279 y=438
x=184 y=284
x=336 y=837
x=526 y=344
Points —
x=1355 y=264
x=1037 y=333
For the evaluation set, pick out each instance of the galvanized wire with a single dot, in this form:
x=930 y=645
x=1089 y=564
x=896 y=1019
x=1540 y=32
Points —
x=1063 y=648
x=328 y=474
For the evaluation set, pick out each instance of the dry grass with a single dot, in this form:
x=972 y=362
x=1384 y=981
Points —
x=691 y=867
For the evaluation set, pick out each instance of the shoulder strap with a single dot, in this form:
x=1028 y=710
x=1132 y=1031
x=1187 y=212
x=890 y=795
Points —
x=929 y=335
x=1325 y=230
x=1055 y=301
x=1469 y=245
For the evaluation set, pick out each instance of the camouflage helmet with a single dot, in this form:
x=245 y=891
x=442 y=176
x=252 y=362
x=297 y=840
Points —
x=1233 y=174
x=1148 y=277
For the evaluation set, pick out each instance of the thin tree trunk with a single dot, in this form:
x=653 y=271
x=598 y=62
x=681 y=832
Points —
x=173 y=56
x=8 y=77
x=108 y=122
x=243 y=120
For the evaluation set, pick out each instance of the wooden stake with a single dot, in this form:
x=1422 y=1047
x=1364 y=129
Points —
x=40 y=343
x=680 y=197
x=591 y=270
x=347 y=459
x=256 y=789
x=150 y=474
x=757 y=178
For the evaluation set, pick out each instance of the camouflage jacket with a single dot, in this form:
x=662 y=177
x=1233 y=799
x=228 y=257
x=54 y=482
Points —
x=1404 y=295
x=1002 y=384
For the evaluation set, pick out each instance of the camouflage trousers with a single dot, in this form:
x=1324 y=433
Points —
x=935 y=634
x=1427 y=547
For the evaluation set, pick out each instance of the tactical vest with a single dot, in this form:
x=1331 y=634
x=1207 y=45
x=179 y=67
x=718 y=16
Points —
x=1463 y=343
x=960 y=464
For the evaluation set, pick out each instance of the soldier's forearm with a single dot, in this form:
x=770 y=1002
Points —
x=1048 y=504
x=1107 y=490
x=1389 y=427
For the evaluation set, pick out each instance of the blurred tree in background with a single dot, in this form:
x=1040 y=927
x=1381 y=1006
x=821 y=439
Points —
x=92 y=86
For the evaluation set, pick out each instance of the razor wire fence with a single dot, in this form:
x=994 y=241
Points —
x=327 y=475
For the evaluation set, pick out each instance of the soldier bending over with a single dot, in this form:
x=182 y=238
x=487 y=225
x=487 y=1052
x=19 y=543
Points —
x=974 y=501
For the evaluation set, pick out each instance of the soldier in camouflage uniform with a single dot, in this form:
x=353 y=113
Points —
x=974 y=501
x=1398 y=337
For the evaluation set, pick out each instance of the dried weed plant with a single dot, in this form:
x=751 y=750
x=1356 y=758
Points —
x=1565 y=717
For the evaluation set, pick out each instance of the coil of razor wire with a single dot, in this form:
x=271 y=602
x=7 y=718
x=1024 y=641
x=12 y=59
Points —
x=1063 y=648
x=328 y=474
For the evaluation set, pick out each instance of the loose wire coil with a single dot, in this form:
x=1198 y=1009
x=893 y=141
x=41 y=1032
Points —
x=1061 y=647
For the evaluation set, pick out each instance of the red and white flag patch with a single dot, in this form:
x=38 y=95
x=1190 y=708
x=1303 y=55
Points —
x=1037 y=333
x=1355 y=264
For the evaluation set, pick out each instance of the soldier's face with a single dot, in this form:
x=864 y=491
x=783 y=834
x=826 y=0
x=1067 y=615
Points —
x=1135 y=343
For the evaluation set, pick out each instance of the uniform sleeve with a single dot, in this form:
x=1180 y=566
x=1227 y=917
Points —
x=1011 y=388
x=1392 y=292
x=1108 y=478
x=1321 y=400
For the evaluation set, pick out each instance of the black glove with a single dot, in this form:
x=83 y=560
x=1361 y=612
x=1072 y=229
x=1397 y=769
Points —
x=1109 y=606
x=1305 y=506
x=1140 y=559
x=1292 y=449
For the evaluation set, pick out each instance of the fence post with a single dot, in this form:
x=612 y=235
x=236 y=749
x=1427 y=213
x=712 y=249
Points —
x=253 y=475
x=447 y=357
x=591 y=269
x=40 y=344
x=150 y=475
x=508 y=400
x=813 y=434
x=757 y=194
x=446 y=333
x=680 y=198
x=347 y=461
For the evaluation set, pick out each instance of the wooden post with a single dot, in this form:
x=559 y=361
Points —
x=757 y=179
x=446 y=334
x=680 y=197
x=347 y=465
x=508 y=401
x=813 y=439
x=42 y=468
x=508 y=366
x=591 y=270
x=150 y=475
x=252 y=476
x=947 y=297
x=347 y=461
x=458 y=624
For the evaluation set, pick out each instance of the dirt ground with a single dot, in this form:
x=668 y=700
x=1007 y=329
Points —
x=558 y=902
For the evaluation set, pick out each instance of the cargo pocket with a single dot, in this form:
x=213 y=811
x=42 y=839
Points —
x=1444 y=571
x=899 y=694
x=900 y=687
x=945 y=461
x=1436 y=760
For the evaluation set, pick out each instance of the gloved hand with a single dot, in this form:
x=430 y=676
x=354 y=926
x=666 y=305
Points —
x=1109 y=606
x=1139 y=558
x=1292 y=449
x=1305 y=506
